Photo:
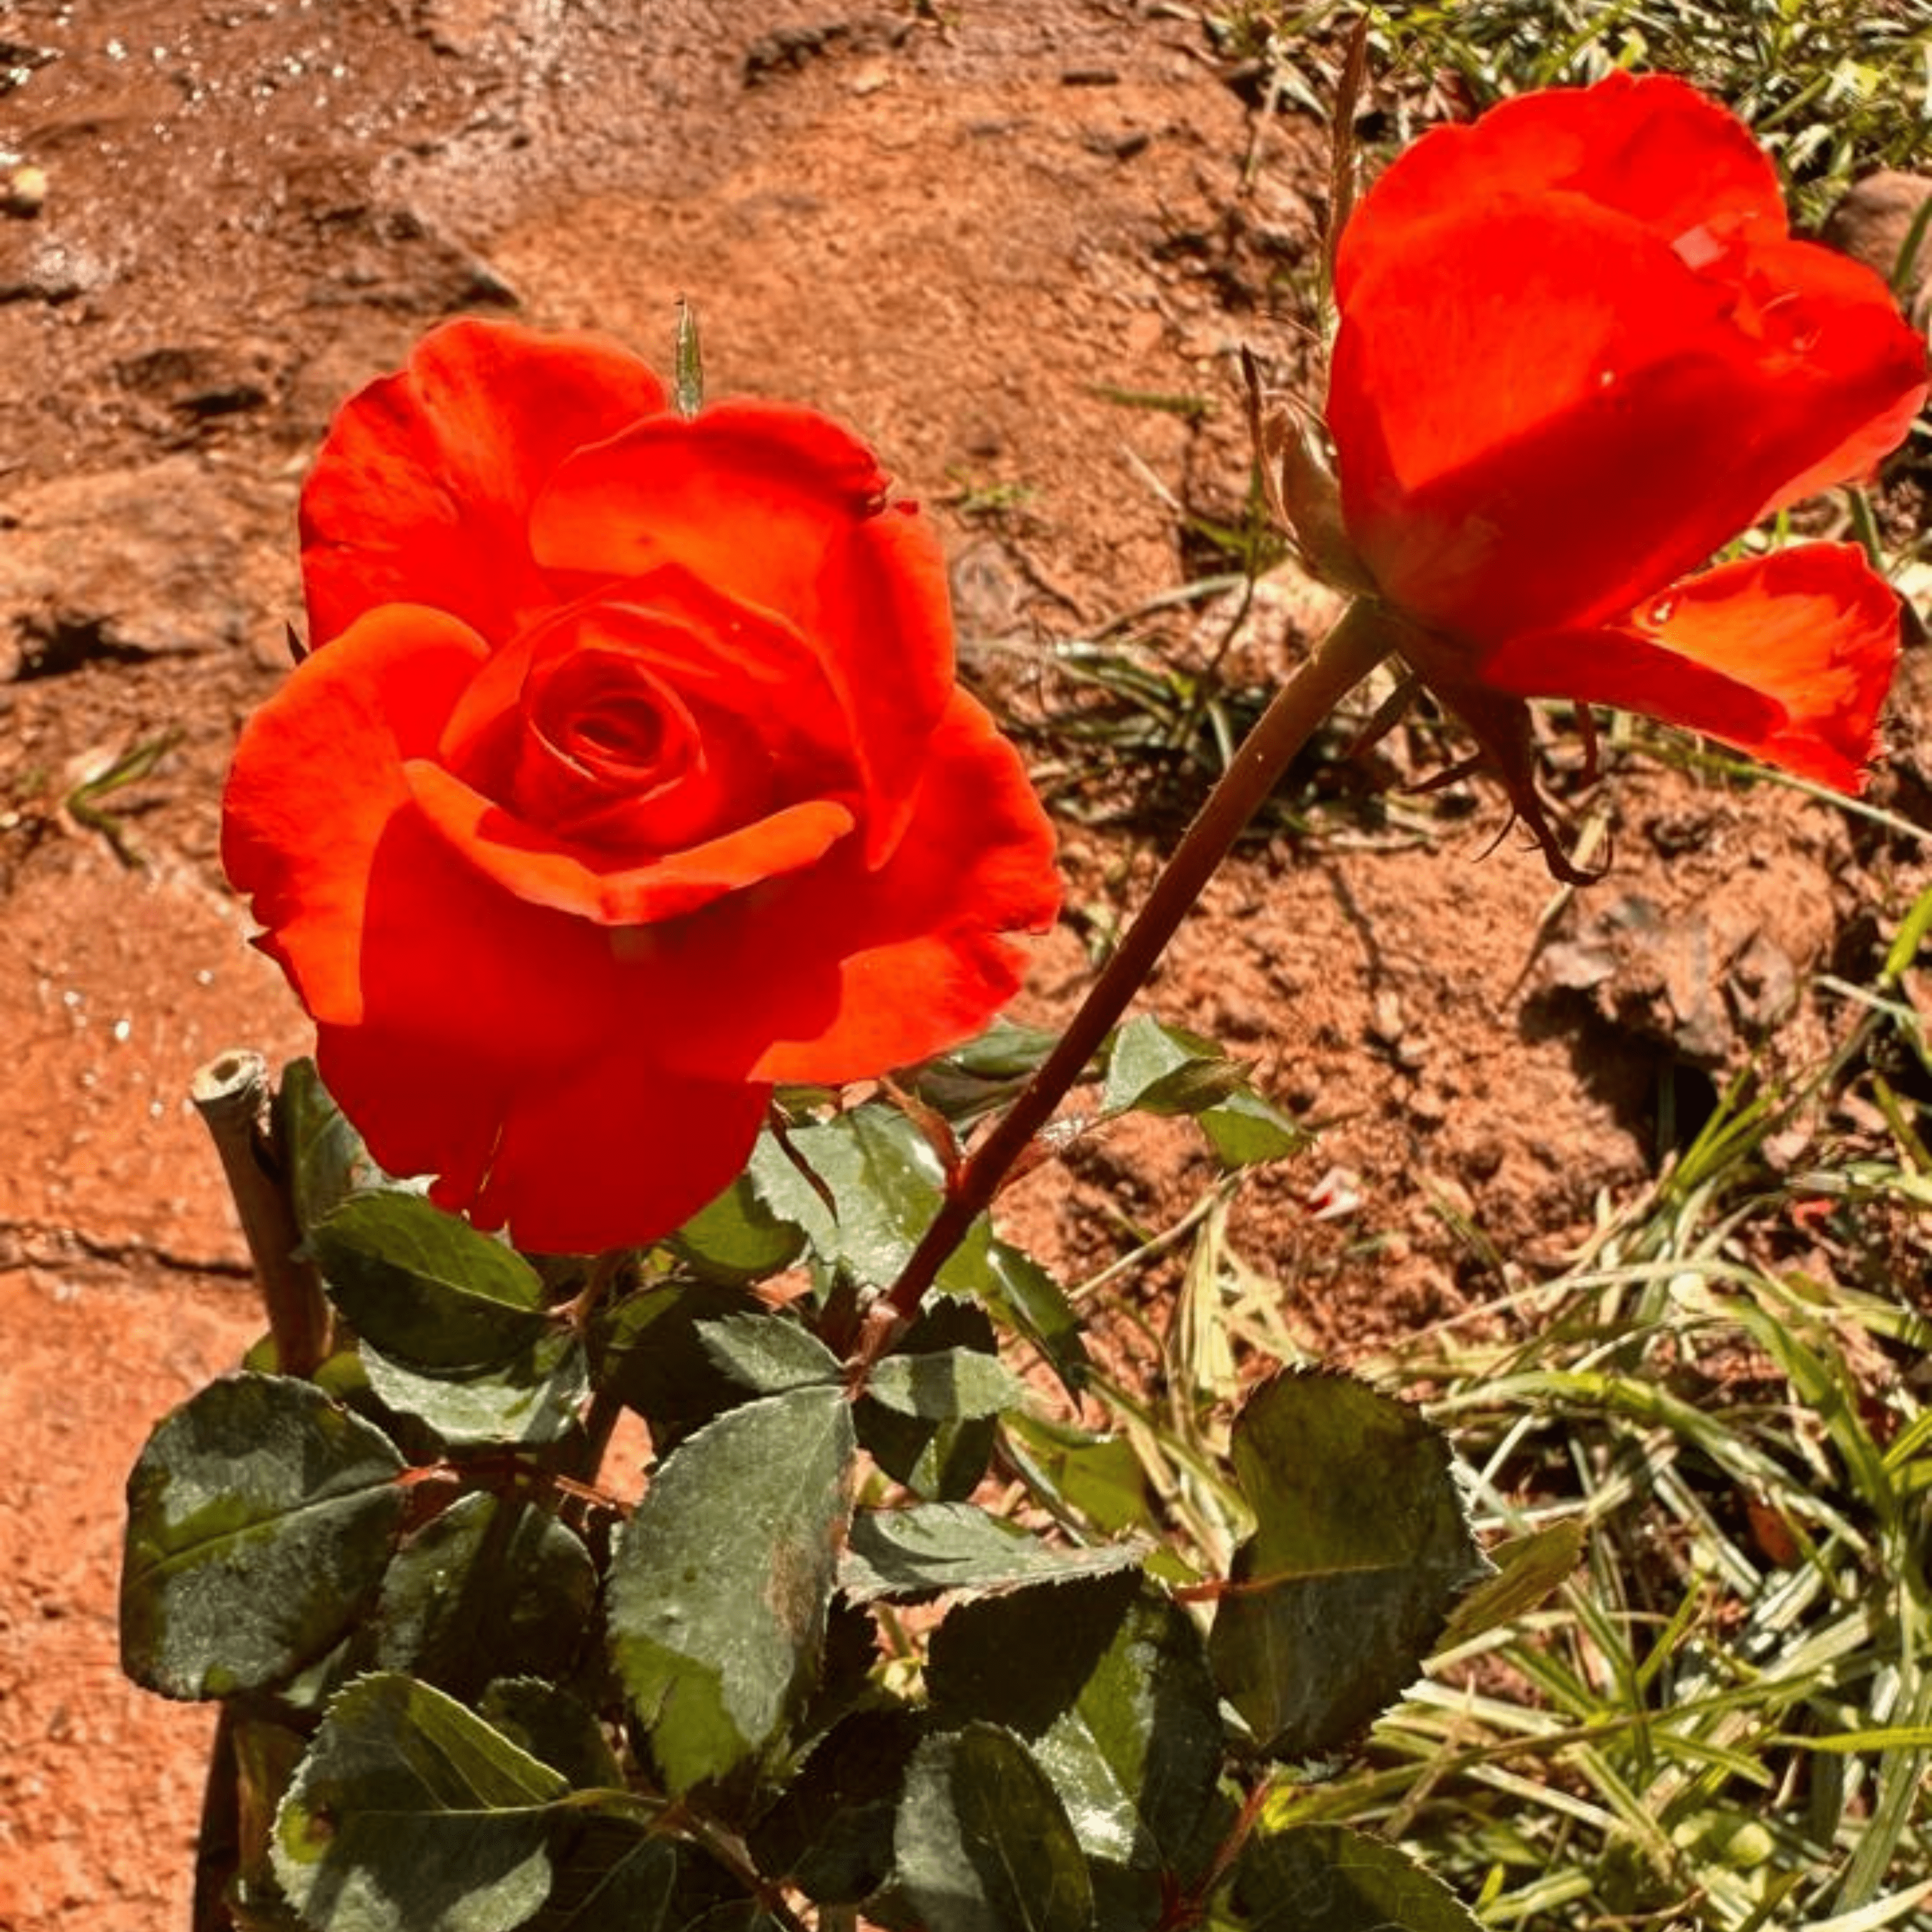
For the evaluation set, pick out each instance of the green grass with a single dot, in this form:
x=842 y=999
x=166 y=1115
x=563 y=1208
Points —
x=1831 y=87
x=1723 y=1718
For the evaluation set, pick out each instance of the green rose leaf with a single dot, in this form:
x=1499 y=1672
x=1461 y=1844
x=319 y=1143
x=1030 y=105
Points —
x=261 y=1516
x=1100 y=1476
x=411 y=1814
x=845 y=1669
x=982 y=1843
x=1245 y=1129
x=885 y=1179
x=488 y=1589
x=942 y=1460
x=878 y=1183
x=425 y=1287
x=766 y=1354
x=532 y=1398
x=898 y=1556
x=830 y=1833
x=613 y=1875
x=553 y=1726
x=984 y=1074
x=1360 y=1550
x=1326 y=1878
x=648 y=1351
x=719 y=1589
x=1106 y=1681
x=1023 y=1295
x=739 y=1238
x=945 y=1385
x=325 y=1156
x=1154 y=1068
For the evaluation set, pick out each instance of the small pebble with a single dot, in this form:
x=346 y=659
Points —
x=26 y=194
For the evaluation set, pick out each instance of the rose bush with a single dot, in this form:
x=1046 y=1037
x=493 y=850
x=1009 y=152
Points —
x=626 y=777
x=1579 y=351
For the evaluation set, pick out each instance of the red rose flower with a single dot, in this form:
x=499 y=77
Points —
x=627 y=776
x=1578 y=352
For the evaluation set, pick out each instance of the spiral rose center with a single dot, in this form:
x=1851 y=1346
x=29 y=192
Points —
x=629 y=729
x=608 y=717
x=613 y=752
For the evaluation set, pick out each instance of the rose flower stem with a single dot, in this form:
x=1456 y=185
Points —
x=231 y=1094
x=1353 y=649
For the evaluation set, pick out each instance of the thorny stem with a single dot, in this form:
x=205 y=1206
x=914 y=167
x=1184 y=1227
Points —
x=1357 y=644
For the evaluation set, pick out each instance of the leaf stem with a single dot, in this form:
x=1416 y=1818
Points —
x=1357 y=644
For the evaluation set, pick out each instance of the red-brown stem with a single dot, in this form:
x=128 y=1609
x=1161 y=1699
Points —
x=1357 y=644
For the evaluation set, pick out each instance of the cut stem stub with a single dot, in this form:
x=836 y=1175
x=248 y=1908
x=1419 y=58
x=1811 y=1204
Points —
x=231 y=1094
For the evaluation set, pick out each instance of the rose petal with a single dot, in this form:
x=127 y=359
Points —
x=526 y=863
x=611 y=757
x=1836 y=351
x=505 y=1049
x=420 y=1107
x=445 y=955
x=1543 y=414
x=840 y=973
x=783 y=510
x=710 y=648
x=1654 y=149
x=318 y=781
x=1787 y=657
x=887 y=625
x=745 y=495
x=615 y=1152
x=422 y=493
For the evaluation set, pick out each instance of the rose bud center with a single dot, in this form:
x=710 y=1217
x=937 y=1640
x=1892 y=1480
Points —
x=618 y=749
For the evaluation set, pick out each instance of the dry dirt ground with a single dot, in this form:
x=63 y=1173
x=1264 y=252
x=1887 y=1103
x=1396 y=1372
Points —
x=958 y=226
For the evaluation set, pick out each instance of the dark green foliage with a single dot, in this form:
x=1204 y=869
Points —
x=479 y=1693
x=982 y=1843
x=325 y=1158
x=984 y=1074
x=1325 y=1878
x=426 y=1287
x=260 y=1519
x=918 y=1431
x=409 y=1814
x=532 y=1397
x=1106 y=1681
x=487 y=1579
x=1156 y=1069
x=722 y=1580
x=830 y=1832
x=882 y=1173
x=649 y=1350
x=1359 y=1553
x=738 y=1238
x=904 y=1555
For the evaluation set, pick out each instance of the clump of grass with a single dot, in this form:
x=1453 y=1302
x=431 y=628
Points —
x=1723 y=1718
